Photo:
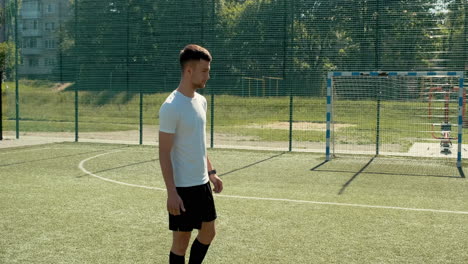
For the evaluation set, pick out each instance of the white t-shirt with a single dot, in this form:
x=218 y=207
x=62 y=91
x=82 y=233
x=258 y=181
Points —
x=186 y=118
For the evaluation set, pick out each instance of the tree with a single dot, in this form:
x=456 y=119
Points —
x=7 y=47
x=128 y=44
x=133 y=44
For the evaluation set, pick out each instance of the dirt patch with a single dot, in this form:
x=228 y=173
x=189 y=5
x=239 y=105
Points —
x=305 y=126
x=61 y=86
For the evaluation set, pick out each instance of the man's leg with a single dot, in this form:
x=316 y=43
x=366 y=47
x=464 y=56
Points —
x=180 y=241
x=201 y=244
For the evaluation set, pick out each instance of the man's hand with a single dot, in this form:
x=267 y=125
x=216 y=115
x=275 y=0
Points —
x=217 y=182
x=174 y=203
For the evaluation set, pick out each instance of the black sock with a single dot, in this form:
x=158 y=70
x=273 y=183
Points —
x=197 y=252
x=176 y=259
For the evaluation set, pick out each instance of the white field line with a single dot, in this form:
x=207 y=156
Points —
x=81 y=167
x=344 y=204
x=109 y=180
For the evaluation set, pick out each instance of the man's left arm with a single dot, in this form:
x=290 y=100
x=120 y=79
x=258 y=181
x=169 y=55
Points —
x=217 y=182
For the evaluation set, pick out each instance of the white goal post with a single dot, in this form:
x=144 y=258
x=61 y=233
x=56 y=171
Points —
x=395 y=113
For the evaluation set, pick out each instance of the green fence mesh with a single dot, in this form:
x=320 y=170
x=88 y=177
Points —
x=99 y=70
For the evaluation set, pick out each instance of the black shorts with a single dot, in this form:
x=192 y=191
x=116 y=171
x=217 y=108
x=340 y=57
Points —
x=199 y=207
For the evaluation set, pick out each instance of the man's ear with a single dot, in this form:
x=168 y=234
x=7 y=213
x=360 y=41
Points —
x=189 y=68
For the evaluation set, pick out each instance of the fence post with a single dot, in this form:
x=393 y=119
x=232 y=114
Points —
x=291 y=110
x=16 y=70
x=291 y=98
x=2 y=65
x=141 y=117
x=76 y=113
x=1 y=104
x=212 y=119
x=377 y=126
x=78 y=73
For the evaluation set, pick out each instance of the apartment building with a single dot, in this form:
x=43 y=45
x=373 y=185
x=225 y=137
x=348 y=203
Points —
x=40 y=22
x=2 y=22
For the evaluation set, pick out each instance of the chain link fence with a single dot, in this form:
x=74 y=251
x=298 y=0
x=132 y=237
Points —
x=99 y=70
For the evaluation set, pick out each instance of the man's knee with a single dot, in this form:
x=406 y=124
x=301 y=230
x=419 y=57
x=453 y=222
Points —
x=180 y=242
x=207 y=233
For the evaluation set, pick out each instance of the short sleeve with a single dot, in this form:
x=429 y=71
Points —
x=205 y=104
x=167 y=119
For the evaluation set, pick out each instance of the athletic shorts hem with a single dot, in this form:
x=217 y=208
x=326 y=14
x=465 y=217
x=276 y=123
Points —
x=199 y=205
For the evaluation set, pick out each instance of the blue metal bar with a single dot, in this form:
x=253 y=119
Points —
x=329 y=118
x=461 y=92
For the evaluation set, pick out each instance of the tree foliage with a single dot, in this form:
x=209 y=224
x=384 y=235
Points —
x=134 y=44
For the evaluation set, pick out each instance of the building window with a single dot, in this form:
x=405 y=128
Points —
x=31 y=6
x=30 y=43
x=33 y=62
x=33 y=43
x=35 y=24
x=49 y=44
x=50 y=8
x=49 y=61
x=50 y=26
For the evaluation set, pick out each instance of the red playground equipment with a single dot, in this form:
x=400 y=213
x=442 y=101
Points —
x=442 y=94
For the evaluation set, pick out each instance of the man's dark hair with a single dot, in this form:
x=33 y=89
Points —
x=193 y=52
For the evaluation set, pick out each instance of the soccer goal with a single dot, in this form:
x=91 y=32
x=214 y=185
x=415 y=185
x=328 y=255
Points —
x=417 y=114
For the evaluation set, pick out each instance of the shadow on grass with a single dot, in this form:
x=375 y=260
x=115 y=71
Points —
x=153 y=160
x=319 y=165
x=250 y=165
x=355 y=176
x=362 y=171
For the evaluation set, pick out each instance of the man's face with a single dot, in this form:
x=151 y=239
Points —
x=200 y=73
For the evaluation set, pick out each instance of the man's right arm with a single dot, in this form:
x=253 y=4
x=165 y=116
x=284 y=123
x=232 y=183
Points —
x=174 y=202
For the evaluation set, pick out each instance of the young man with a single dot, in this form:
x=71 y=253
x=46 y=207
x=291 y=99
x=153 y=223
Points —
x=185 y=166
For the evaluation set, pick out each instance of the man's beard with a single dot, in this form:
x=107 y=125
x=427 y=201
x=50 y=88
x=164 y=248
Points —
x=199 y=85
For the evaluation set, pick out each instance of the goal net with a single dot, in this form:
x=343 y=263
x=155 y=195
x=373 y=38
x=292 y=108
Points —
x=395 y=113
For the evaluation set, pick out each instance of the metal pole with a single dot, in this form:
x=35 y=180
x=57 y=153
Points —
x=76 y=113
x=329 y=117
x=291 y=108
x=127 y=60
x=1 y=104
x=2 y=65
x=461 y=93
x=141 y=117
x=60 y=43
x=212 y=119
x=285 y=36
x=16 y=70
x=78 y=72
x=465 y=30
x=377 y=66
x=377 y=36
x=377 y=136
x=202 y=24
x=291 y=98
x=212 y=91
